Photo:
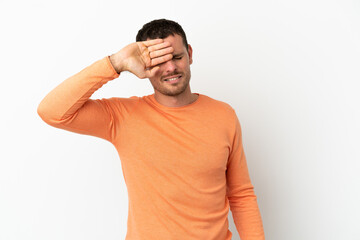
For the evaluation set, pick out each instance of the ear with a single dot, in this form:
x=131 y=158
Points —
x=190 y=51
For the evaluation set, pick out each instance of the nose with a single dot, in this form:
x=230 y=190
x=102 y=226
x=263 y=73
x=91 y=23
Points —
x=169 y=66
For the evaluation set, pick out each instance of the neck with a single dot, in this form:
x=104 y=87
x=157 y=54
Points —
x=176 y=101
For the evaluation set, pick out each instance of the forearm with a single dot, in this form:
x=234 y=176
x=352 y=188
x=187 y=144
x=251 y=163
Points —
x=242 y=199
x=70 y=95
x=246 y=214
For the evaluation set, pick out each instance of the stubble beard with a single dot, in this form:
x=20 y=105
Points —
x=174 y=90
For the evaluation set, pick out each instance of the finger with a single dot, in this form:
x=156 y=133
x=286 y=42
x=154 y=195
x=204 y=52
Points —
x=159 y=46
x=153 y=42
x=161 y=52
x=161 y=59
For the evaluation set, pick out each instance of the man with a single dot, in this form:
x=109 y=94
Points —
x=181 y=152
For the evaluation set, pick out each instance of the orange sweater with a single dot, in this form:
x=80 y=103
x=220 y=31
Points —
x=183 y=166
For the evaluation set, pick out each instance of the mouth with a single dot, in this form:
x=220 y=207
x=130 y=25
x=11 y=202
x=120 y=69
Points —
x=173 y=79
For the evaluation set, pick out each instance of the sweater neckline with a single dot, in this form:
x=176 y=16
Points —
x=151 y=97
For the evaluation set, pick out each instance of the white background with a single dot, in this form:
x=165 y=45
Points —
x=290 y=69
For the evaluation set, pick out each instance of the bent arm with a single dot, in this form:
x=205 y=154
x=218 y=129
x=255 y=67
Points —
x=68 y=105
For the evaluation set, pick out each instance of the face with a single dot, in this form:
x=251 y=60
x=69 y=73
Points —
x=173 y=77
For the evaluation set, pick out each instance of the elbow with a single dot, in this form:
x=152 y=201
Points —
x=45 y=114
x=49 y=114
x=41 y=111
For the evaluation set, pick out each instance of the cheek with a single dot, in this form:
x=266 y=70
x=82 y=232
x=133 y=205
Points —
x=185 y=66
x=181 y=65
x=186 y=63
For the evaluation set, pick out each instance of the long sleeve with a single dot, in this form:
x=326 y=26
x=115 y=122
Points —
x=240 y=192
x=68 y=105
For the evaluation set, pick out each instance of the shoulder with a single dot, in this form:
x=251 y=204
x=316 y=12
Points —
x=123 y=100
x=120 y=103
x=218 y=106
x=223 y=115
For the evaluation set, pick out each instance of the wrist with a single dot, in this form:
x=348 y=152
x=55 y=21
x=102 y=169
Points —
x=115 y=63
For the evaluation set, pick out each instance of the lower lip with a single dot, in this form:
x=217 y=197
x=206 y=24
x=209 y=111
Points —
x=175 y=81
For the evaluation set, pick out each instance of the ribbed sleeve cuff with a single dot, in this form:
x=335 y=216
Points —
x=111 y=67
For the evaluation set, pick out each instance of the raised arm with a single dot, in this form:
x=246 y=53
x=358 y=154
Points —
x=68 y=105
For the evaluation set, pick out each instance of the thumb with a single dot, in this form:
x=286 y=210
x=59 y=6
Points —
x=152 y=71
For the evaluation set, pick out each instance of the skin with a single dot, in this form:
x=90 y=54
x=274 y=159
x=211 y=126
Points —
x=158 y=60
